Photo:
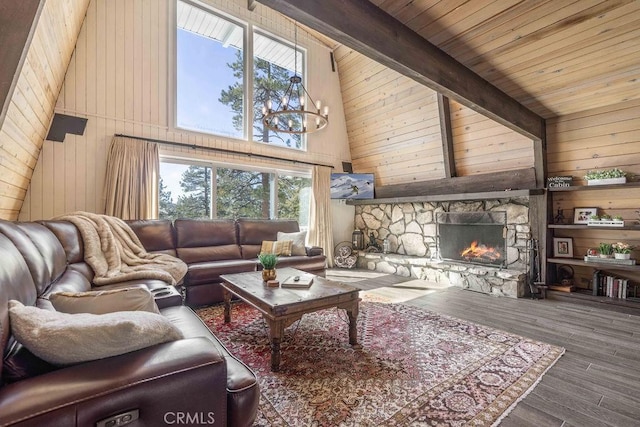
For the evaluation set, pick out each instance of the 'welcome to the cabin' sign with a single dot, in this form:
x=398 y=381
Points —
x=559 y=181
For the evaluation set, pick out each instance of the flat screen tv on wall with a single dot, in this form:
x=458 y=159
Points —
x=352 y=186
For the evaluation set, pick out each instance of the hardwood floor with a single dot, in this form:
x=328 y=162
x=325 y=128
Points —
x=595 y=383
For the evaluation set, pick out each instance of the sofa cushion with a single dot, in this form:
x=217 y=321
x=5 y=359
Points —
x=16 y=283
x=282 y=247
x=252 y=232
x=105 y=301
x=50 y=248
x=62 y=339
x=70 y=238
x=44 y=269
x=209 y=272
x=304 y=263
x=299 y=238
x=20 y=363
x=206 y=240
x=156 y=235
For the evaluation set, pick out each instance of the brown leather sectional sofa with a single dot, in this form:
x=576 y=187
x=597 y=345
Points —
x=192 y=378
x=214 y=247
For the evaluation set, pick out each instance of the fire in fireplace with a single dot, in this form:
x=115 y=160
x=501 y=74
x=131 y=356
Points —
x=474 y=237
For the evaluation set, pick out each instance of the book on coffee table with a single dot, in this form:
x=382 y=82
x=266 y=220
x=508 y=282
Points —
x=303 y=281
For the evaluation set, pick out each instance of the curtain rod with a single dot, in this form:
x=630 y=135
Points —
x=221 y=150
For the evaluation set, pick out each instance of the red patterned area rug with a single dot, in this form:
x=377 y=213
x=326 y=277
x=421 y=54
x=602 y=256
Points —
x=415 y=367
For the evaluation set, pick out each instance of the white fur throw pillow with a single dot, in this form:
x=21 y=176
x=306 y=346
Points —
x=299 y=241
x=102 y=302
x=63 y=339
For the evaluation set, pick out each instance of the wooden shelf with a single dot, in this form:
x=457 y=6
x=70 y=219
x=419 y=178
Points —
x=596 y=187
x=592 y=227
x=603 y=266
x=449 y=197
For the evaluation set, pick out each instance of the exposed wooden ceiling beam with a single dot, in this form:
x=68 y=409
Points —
x=444 y=111
x=362 y=26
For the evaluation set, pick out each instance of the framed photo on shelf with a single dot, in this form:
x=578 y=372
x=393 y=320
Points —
x=582 y=215
x=563 y=247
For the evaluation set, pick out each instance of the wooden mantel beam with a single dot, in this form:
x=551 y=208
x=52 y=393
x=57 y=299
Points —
x=362 y=26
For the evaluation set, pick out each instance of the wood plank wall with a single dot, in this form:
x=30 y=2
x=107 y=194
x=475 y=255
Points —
x=480 y=145
x=392 y=121
x=601 y=138
x=32 y=102
x=394 y=129
x=120 y=78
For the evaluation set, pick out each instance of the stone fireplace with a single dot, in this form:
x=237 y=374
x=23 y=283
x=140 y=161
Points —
x=474 y=237
x=424 y=242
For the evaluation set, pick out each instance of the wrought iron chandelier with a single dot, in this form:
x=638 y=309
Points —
x=290 y=115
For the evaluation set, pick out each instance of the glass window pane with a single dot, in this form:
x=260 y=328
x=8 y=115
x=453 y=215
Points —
x=189 y=191
x=185 y=191
x=293 y=199
x=274 y=63
x=243 y=194
x=210 y=73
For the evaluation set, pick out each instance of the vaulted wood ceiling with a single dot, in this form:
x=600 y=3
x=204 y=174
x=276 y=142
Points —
x=555 y=57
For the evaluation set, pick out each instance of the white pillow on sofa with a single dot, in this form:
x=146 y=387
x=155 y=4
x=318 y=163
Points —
x=107 y=301
x=63 y=339
x=299 y=241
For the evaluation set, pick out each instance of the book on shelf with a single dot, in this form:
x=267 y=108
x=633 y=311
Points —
x=609 y=286
x=301 y=281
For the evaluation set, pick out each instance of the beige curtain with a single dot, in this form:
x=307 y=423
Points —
x=131 y=181
x=320 y=224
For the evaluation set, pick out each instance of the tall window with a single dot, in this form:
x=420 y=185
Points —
x=209 y=73
x=273 y=65
x=211 y=82
x=217 y=191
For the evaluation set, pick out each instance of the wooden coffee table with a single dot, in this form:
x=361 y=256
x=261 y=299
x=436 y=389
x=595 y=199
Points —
x=280 y=307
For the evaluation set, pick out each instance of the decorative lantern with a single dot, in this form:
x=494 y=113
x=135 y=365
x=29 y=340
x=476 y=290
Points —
x=357 y=239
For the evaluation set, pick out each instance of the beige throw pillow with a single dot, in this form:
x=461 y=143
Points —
x=282 y=247
x=299 y=241
x=63 y=339
x=102 y=302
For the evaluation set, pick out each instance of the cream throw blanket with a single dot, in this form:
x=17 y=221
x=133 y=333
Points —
x=115 y=253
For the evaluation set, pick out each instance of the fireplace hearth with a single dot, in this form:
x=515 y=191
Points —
x=472 y=237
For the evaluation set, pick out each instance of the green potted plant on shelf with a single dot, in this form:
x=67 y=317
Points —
x=606 y=176
x=605 y=250
x=268 y=262
x=622 y=250
x=606 y=220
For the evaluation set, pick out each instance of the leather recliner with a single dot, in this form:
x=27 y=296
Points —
x=194 y=377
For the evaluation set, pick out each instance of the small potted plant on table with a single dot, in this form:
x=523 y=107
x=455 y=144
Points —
x=622 y=250
x=268 y=262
